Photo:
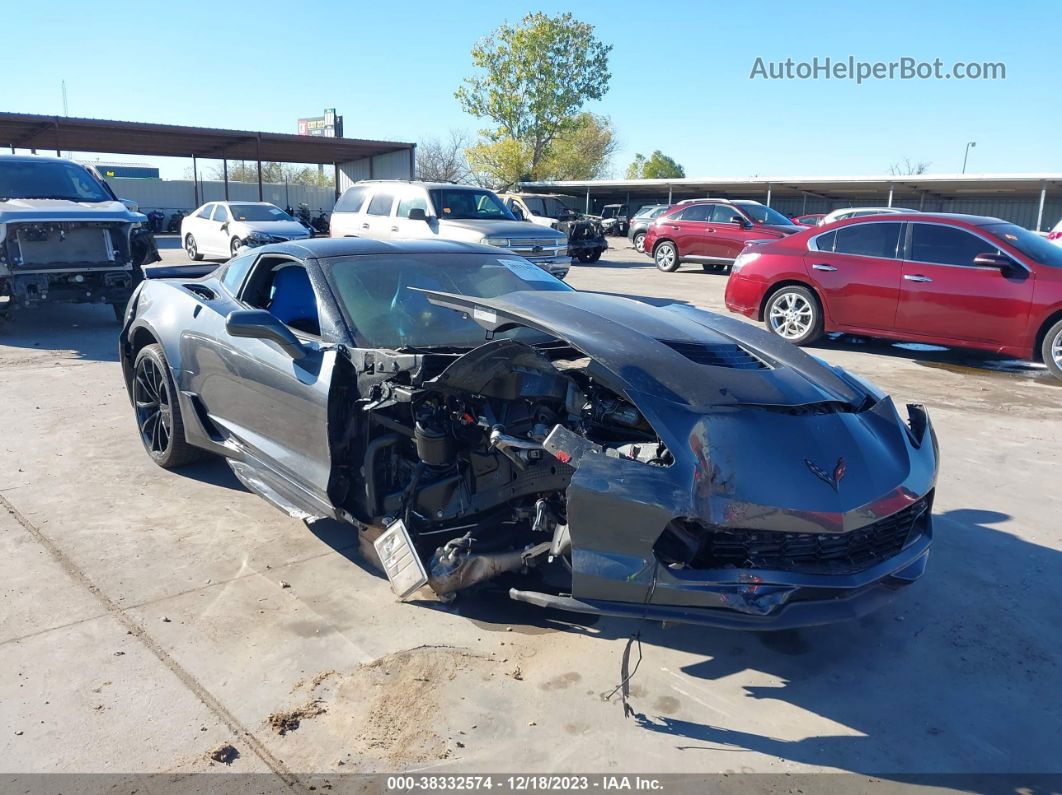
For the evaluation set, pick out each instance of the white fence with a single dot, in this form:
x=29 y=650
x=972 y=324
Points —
x=170 y=195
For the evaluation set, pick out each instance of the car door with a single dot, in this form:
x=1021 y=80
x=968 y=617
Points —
x=686 y=227
x=198 y=226
x=376 y=218
x=346 y=214
x=727 y=232
x=857 y=269
x=404 y=227
x=272 y=406
x=946 y=296
x=218 y=230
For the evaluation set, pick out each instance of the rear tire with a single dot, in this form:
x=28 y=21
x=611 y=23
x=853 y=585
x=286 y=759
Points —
x=592 y=257
x=157 y=412
x=793 y=313
x=191 y=249
x=714 y=268
x=1052 y=350
x=666 y=257
x=639 y=242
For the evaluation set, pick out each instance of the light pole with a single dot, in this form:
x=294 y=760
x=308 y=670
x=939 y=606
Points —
x=967 y=154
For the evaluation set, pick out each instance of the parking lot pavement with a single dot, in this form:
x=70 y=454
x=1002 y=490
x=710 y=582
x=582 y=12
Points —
x=148 y=616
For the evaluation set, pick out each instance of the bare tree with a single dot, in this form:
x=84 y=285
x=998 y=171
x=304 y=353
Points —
x=907 y=168
x=440 y=160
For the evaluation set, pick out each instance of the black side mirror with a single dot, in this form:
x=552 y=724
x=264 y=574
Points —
x=418 y=214
x=740 y=221
x=262 y=325
x=993 y=260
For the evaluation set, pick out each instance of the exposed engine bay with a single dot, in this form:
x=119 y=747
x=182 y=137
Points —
x=464 y=460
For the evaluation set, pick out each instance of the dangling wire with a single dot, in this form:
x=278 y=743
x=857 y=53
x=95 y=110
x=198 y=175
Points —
x=626 y=674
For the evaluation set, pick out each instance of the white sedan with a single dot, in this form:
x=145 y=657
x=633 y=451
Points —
x=859 y=212
x=218 y=229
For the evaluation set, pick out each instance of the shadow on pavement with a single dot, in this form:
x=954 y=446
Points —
x=89 y=331
x=924 y=686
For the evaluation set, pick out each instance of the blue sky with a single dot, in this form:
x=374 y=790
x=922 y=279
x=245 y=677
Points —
x=680 y=75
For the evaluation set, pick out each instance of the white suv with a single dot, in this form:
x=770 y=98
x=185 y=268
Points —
x=392 y=209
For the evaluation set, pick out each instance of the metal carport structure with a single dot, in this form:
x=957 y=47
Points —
x=1028 y=199
x=31 y=131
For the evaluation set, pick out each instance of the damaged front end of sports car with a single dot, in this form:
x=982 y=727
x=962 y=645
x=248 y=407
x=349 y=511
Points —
x=645 y=461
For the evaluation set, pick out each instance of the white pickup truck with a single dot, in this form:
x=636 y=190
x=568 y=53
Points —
x=65 y=236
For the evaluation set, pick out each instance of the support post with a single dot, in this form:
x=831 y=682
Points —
x=412 y=163
x=669 y=195
x=195 y=181
x=258 y=145
x=890 y=196
x=336 y=167
x=588 y=200
x=225 y=176
x=768 y=194
x=58 y=148
x=804 y=206
x=1040 y=213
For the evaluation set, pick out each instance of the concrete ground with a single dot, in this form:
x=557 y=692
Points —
x=149 y=616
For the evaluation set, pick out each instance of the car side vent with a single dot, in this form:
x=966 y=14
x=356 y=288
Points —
x=716 y=354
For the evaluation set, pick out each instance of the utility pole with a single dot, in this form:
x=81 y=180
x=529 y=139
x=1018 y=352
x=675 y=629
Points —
x=967 y=154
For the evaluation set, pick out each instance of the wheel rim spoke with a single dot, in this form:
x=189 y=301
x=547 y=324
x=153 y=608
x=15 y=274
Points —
x=152 y=402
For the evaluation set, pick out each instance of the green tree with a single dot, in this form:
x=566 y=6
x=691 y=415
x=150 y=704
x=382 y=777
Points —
x=534 y=78
x=656 y=166
x=583 y=152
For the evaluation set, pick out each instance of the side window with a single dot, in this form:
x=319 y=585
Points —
x=724 y=214
x=825 y=242
x=221 y=213
x=946 y=245
x=282 y=286
x=351 y=200
x=696 y=212
x=868 y=240
x=237 y=268
x=381 y=203
x=412 y=201
x=205 y=212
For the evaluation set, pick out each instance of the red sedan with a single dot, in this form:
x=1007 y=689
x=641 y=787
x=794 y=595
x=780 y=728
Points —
x=955 y=280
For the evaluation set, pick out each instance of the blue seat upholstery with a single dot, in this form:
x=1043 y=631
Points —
x=293 y=302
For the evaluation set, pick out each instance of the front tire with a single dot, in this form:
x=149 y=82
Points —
x=714 y=268
x=191 y=249
x=1052 y=349
x=639 y=242
x=793 y=313
x=666 y=257
x=158 y=414
x=234 y=246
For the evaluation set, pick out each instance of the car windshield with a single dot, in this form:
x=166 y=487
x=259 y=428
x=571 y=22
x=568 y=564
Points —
x=50 y=179
x=258 y=212
x=651 y=212
x=473 y=205
x=765 y=215
x=547 y=206
x=1028 y=243
x=375 y=296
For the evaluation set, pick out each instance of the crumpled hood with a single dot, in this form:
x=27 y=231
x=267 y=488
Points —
x=514 y=229
x=660 y=351
x=27 y=210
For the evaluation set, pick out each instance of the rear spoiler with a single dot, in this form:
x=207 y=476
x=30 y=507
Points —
x=190 y=271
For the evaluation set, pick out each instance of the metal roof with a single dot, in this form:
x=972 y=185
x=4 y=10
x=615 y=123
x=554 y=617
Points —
x=939 y=184
x=55 y=133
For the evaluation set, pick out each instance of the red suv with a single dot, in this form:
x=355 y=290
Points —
x=956 y=280
x=712 y=232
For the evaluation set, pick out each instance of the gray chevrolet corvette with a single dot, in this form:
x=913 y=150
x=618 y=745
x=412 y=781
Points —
x=479 y=423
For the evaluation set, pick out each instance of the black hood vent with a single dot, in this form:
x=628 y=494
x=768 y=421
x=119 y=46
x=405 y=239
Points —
x=716 y=354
